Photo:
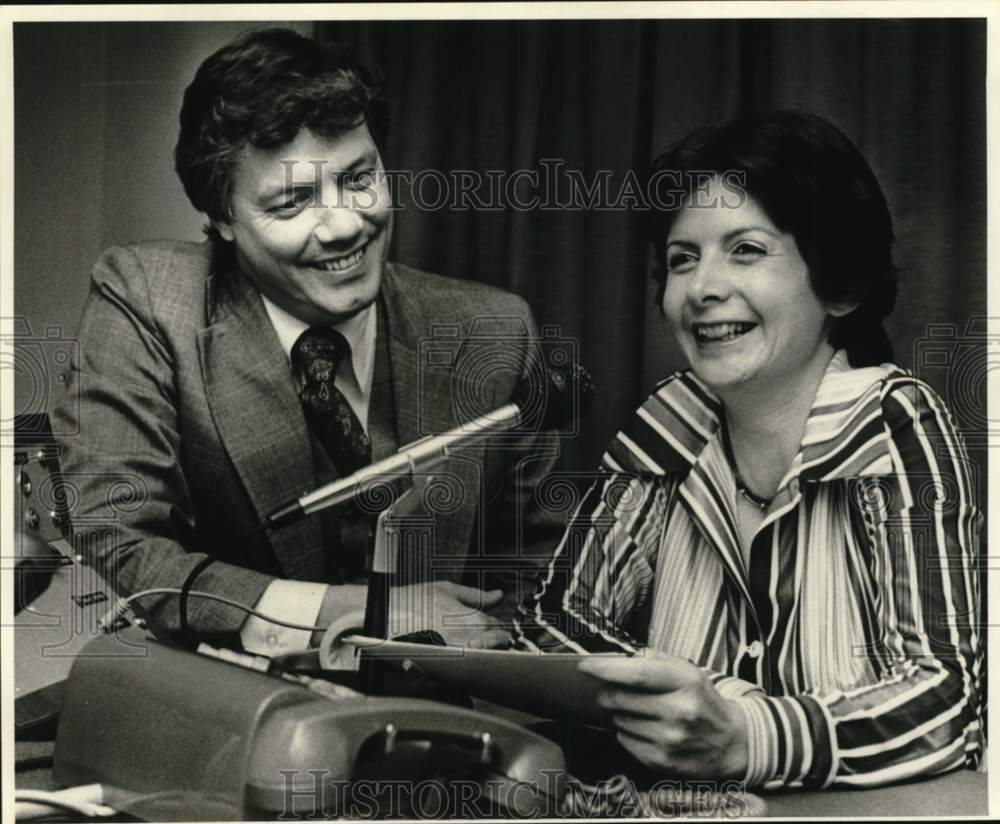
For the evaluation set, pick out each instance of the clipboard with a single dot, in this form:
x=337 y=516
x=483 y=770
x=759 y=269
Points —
x=546 y=685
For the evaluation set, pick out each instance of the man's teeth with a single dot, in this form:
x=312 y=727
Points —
x=340 y=264
x=721 y=331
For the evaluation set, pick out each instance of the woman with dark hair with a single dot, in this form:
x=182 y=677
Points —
x=787 y=529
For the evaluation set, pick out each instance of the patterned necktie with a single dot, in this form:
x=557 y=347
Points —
x=318 y=352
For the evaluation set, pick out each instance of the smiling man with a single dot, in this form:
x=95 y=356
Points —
x=218 y=380
x=309 y=221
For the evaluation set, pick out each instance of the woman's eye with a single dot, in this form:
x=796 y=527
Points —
x=748 y=251
x=680 y=261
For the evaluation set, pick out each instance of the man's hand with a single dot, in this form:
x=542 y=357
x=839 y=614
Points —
x=457 y=612
x=670 y=717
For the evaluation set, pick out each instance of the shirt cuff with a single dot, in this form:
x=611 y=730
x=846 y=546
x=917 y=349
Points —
x=729 y=686
x=298 y=602
x=789 y=742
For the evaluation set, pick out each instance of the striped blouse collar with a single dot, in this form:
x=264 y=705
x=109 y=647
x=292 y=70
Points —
x=844 y=435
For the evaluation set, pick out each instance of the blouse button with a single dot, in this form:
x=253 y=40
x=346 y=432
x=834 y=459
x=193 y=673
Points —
x=755 y=649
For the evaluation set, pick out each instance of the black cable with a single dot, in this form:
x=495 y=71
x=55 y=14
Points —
x=200 y=567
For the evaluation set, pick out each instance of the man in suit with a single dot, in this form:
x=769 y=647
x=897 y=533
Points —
x=210 y=389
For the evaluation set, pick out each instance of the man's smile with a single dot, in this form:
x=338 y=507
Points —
x=343 y=262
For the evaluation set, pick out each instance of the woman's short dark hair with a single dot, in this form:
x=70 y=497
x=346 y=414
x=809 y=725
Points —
x=814 y=184
x=261 y=90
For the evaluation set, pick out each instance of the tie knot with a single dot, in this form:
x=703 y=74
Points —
x=319 y=351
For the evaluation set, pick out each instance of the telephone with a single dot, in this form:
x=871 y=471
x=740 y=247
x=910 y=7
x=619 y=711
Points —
x=180 y=735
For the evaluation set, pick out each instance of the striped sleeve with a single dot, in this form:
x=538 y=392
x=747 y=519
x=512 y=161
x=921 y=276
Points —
x=923 y=715
x=600 y=573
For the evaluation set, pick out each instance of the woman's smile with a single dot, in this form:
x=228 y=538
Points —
x=739 y=300
x=717 y=333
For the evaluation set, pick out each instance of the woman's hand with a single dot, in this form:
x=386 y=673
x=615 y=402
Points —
x=670 y=717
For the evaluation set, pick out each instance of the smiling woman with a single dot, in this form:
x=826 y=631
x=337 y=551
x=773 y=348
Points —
x=788 y=529
x=739 y=300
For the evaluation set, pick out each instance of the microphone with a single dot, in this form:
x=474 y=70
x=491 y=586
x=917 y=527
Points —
x=568 y=391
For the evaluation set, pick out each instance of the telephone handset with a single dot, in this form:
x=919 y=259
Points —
x=399 y=756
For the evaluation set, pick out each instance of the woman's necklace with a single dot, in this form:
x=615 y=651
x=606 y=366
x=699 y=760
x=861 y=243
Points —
x=748 y=494
x=749 y=517
x=759 y=505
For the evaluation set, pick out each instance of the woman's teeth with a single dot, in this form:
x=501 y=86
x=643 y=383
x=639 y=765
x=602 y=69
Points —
x=339 y=264
x=721 y=331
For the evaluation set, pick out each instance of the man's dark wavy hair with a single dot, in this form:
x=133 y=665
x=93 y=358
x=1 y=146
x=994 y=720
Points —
x=260 y=91
x=814 y=184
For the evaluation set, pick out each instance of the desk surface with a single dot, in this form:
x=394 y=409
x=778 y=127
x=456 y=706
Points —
x=961 y=793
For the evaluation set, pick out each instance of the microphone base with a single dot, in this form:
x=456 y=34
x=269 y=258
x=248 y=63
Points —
x=372 y=672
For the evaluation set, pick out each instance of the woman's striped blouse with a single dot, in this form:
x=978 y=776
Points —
x=851 y=638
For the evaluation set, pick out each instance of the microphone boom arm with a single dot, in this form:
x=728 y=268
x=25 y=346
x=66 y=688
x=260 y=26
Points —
x=421 y=454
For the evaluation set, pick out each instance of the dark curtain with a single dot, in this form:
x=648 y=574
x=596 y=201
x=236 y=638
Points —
x=604 y=96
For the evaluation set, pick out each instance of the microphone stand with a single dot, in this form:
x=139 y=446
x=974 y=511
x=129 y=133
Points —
x=381 y=569
x=566 y=385
x=382 y=562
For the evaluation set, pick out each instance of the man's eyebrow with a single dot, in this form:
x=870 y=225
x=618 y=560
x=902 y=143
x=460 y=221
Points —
x=367 y=160
x=278 y=189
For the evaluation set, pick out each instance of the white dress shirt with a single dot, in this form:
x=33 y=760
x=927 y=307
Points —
x=300 y=601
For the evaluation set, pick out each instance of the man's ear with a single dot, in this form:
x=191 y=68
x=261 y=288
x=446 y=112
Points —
x=838 y=309
x=225 y=230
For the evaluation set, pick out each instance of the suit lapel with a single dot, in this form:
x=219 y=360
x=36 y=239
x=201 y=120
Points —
x=256 y=410
x=423 y=398
x=421 y=385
